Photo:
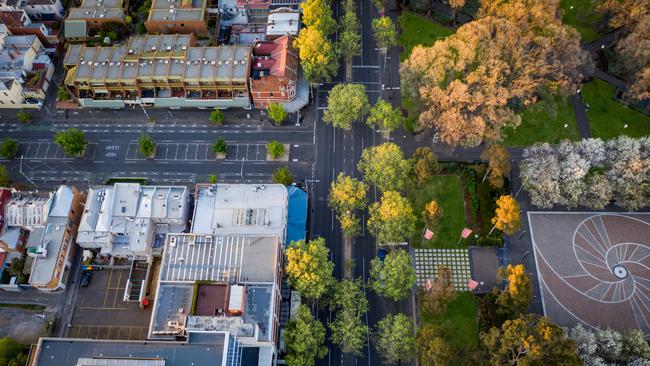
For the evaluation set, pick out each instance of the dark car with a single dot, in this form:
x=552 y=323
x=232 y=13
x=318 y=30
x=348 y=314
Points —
x=381 y=254
x=85 y=278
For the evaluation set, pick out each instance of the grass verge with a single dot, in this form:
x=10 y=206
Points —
x=544 y=122
x=447 y=191
x=583 y=17
x=607 y=117
x=417 y=29
x=459 y=326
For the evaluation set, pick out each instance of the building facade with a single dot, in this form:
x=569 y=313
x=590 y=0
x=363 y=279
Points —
x=178 y=16
x=166 y=71
x=25 y=70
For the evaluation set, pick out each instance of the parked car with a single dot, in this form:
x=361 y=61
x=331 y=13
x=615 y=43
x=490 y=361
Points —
x=85 y=278
x=381 y=254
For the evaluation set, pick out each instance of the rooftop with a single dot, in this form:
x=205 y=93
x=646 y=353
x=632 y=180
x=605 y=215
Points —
x=50 y=265
x=129 y=209
x=226 y=259
x=71 y=352
x=172 y=10
x=28 y=209
x=282 y=23
x=158 y=57
x=226 y=209
x=93 y=9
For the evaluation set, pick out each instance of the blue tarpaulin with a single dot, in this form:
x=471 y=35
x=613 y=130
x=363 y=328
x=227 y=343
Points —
x=297 y=219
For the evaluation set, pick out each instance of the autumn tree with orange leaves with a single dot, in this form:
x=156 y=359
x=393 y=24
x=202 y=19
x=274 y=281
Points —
x=474 y=83
x=514 y=299
x=507 y=217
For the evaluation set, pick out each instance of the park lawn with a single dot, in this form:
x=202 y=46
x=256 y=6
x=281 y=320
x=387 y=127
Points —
x=447 y=190
x=583 y=17
x=608 y=117
x=459 y=326
x=416 y=30
x=544 y=122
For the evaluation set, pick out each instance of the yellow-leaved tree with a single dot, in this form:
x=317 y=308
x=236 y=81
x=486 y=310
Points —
x=308 y=268
x=514 y=299
x=507 y=217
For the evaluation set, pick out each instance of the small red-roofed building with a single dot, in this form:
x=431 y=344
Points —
x=274 y=77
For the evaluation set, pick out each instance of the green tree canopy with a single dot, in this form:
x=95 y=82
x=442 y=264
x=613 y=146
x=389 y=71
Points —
x=220 y=146
x=349 y=40
x=72 y=141
x=384 y=117
x=4 y=176
x=9 y=148
x=384 y=30
x=385 y=167
x=304 y=338
x=350 y=303
x=276 y=112
x=146 y=145
x=431 y=347
x=530 y=340
x=275 y=149
x=62 y=93
x=346 y=103
x=23 y=116
x=425 y=164
x=11 y=352
x=308 y=268
x=392 y=219
x=394 y=277
x=283 y=175
x=216 y=117
x=395 y=340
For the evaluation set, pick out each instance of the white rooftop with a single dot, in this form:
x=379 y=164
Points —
x=225 y=259
x=28 y=209
x=283 y=23
x=250 y=209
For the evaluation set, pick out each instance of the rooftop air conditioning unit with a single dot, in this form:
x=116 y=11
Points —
x=153 y=48
x=169 y=48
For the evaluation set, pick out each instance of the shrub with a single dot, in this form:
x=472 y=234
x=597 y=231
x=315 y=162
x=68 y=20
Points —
x=277 y=112
x=23 y=116
x=283 y=175
x=216 y=117
x=146 y=145
x=9 y=148
x=220 y=146
x=275 y=149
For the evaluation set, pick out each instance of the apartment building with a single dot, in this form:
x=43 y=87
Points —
x=25 y=70
x=88 y=19
x=41 y=10
x=161 y=71
x=52 y=246
x=178 y=16
x=123 y=220
x=44 y=226
x=275 y=72
x=20 y=24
